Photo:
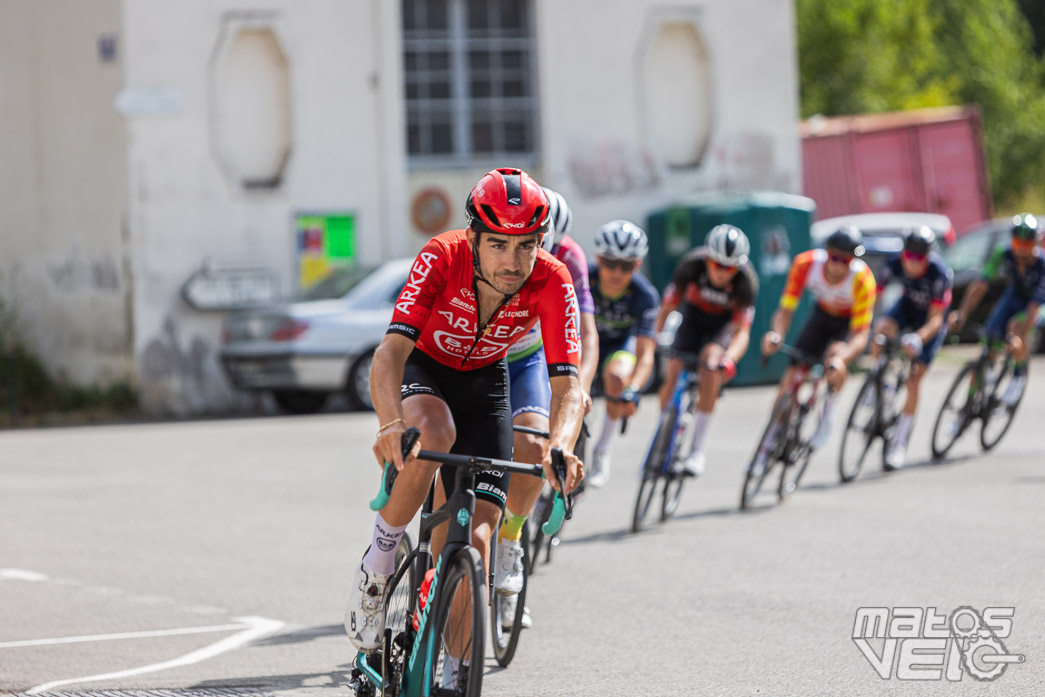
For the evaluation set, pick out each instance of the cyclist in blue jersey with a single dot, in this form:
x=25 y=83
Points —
x=626 y=306
x=919 y=314
x=1016 y=312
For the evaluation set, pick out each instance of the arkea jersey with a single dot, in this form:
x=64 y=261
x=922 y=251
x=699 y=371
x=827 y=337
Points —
x=691 y=288
x=633 y=313
x=437 y=308
x=930 y=290
x=852 y=297
x=1029 y=285
x=570 y=253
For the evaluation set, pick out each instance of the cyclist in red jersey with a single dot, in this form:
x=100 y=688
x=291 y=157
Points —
x=441 y=367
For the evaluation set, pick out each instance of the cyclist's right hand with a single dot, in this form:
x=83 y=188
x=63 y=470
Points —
x=770 y=343
x=955 y=321
x=389 y=446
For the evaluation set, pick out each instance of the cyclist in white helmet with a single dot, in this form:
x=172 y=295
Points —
x=531 y=401
x=625 y=309
x=714 y=287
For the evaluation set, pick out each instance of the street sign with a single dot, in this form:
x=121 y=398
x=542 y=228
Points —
x=230 y=288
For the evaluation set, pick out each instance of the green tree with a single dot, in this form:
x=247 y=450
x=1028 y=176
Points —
x=866 y=56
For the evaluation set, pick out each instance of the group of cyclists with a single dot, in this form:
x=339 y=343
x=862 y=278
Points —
x=504 y=323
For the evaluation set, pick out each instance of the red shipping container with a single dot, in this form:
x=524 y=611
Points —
x=929 y=160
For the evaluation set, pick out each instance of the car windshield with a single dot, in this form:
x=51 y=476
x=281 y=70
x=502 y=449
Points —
x=334 y=285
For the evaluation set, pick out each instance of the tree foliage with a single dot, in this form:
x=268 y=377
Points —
x=866 y=56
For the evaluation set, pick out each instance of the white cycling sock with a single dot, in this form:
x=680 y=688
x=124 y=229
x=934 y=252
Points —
x=903 y=429
x=381 y=557
x=700 y=429
x=609 y=428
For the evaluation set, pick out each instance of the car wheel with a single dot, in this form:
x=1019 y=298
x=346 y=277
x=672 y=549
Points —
x=299 y=401
x=358 y=385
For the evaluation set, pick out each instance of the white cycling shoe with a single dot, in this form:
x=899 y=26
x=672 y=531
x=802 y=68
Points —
x=508 y=569
x=600 y=469
x=693 y=466
x=1014 y=390
x=365 y=614
x=508 y=607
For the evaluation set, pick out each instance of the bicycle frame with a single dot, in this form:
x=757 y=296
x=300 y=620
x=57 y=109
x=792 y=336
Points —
x=458 y=512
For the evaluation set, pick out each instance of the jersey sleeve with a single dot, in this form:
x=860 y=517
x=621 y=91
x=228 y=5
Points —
x=647 y=308
x=995 y=263
x=888 y=272
x=864 y=294
x=796 y=280
x=673 y=291
x=1039 y=291
x=744 y=307
x=559 y=313
x=941 y=288
x=577 y=263
x=426 y=280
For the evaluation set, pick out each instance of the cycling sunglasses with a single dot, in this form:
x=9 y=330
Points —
x=722 y=267
x=617 y=264
x=839 y=258
x=1023 y=245
x=915 y=257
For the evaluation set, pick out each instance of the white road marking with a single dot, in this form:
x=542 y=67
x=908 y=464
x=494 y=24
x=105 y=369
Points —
x=22 y=575
x=123 y=635
x=256 y=627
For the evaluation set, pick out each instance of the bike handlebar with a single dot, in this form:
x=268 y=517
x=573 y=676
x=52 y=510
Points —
x=561 y=509
x=804 y=357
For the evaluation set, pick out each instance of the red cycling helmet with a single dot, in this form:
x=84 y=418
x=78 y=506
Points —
x=508 y=201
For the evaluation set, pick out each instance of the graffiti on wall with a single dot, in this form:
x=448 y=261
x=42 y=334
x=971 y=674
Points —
x=746 y=161
x=180 y=376
x=613 y=168
x=75 y=274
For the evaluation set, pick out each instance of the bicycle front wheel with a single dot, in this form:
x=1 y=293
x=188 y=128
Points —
x=860 y=431
x=456 y=636
x=954 y=414
x=400 y=606
x=766 y=453
x=997 y=414
x=506 y=614
x=651 y=467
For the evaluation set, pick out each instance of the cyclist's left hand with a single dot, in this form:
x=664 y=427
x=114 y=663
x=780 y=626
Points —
x=629 y=399
x=911 y=344
x=837 y=371
x=574 y=471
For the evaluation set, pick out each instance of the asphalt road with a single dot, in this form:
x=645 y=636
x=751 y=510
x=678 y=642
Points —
x=217 y=554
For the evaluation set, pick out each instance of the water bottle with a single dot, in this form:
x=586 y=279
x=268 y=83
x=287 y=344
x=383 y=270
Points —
x=422 y=598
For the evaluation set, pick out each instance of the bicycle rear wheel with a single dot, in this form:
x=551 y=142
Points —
x=997 y=415
x=505 y=624
x=651 y=467
x=860 y=430
x=766 y=453
x=457 y=633
x=955 y=413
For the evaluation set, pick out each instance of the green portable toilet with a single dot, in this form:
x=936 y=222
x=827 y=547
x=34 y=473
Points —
x=777 y=225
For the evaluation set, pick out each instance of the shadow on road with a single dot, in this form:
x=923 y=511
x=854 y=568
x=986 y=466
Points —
x=302 y=635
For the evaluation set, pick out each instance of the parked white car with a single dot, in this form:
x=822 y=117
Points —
x=304 y=351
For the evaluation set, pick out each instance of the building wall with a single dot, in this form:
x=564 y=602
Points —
x=111 y=210
x=188 y=207
x=63 y=249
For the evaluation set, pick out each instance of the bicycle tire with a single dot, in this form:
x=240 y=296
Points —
x=989 y=411
x=462 y=573
x=400 y=605
x=674 y=479
x=791 y=472
x=505 y=642
x=651 y=467
x=540 y=542
x=849 y=467
x=942 y=441
x=753 y=479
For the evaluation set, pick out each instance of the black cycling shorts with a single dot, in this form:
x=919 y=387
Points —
x=699 y=328
x=820 y=331
x=482 y=414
